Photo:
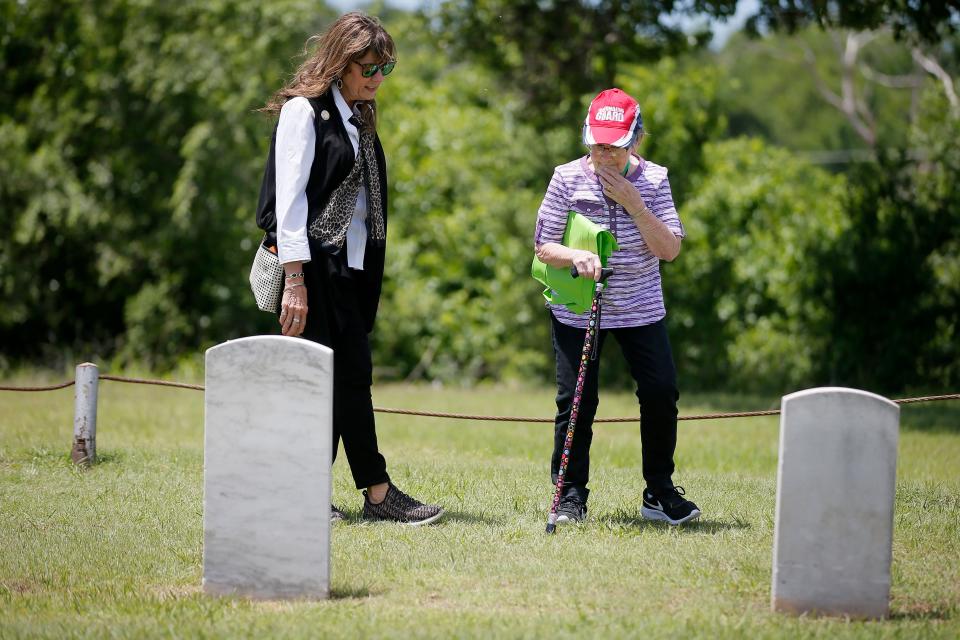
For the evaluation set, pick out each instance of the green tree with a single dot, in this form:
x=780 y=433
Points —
x=894 y=285
x=556 y=51
x=746 y=309
x=774 y=87
x=466 y=182
x=130 y=169
x=466 y=179
x=679 y=101
x=929 y=20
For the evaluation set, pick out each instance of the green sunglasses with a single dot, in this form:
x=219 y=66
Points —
x=370 y=69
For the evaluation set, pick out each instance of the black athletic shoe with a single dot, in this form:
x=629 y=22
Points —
x=399 y=507
x=668 y=505
x=571 y=510
x=336 y=515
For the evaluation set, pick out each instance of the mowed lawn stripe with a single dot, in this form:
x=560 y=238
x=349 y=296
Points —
x=116 y=550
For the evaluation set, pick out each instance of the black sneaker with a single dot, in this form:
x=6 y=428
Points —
x=571 y=510
x=336 y=515
x=399 y=507
x=668 y=505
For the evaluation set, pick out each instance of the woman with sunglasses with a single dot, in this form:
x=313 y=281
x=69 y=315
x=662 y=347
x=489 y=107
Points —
x=324 y=195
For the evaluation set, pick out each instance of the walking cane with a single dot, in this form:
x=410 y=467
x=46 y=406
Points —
x=589 y=353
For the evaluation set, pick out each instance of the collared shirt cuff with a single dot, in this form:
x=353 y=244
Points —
x=293 y=251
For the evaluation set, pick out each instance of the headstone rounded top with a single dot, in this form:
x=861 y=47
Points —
x=274 y=342
x=838 y=391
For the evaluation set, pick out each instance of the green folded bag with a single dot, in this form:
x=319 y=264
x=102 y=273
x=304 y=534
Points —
x=562 y=288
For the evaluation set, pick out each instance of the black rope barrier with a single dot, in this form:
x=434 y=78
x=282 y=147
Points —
x=464 y=416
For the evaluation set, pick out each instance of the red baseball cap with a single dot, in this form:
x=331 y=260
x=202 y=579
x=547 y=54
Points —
x=613 y=118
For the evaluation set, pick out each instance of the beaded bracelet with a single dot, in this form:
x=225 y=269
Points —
x=293 y=276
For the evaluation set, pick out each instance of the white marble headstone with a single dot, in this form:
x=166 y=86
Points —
x=836 y=480
x=266 y=468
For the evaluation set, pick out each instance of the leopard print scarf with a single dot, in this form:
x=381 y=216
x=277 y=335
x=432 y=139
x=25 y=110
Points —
x=330 y=226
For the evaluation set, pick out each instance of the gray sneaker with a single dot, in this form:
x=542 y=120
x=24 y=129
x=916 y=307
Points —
x=571 y=510
x=336 y=515
x=399 y=507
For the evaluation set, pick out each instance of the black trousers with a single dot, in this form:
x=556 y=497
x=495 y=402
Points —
x=647 y=351
x=337 y=322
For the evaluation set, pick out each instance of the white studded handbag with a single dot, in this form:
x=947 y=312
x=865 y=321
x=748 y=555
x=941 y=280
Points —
x=266 y=279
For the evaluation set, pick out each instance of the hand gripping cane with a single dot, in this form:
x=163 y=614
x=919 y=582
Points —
x=589 y=353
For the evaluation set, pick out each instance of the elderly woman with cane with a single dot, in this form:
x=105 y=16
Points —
x=630 y=196
x=325 y=185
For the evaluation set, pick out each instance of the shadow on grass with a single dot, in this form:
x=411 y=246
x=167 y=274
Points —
x=349 y=593
x=51 y=457
x=108 y=458
x=923 y=611
x=696 y=526
x=470 y=518
x=355 y=517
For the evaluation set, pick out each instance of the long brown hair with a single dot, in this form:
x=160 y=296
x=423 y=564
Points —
x=349 y=38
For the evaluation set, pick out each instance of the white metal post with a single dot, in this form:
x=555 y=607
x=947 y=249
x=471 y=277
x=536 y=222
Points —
x=85 y=414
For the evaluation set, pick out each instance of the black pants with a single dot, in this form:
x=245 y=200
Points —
x=647 y=351
x=342 y=329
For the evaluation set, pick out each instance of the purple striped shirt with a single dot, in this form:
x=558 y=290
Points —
x=633 y=296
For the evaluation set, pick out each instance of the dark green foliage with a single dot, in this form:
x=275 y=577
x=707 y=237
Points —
x=770 y=91
x=682 y=112
x=926 y=20
x=130 y=168
x=895 y=282
x=467 y=176
x=132 y=157
x=555 y=51
x=747 y=306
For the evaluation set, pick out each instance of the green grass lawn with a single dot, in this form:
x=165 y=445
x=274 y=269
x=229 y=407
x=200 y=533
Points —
x=116 y=551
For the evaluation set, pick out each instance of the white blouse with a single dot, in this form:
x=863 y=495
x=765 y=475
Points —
x=296 y=140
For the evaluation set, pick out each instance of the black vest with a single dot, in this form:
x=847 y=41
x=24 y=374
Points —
x=333 y=159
